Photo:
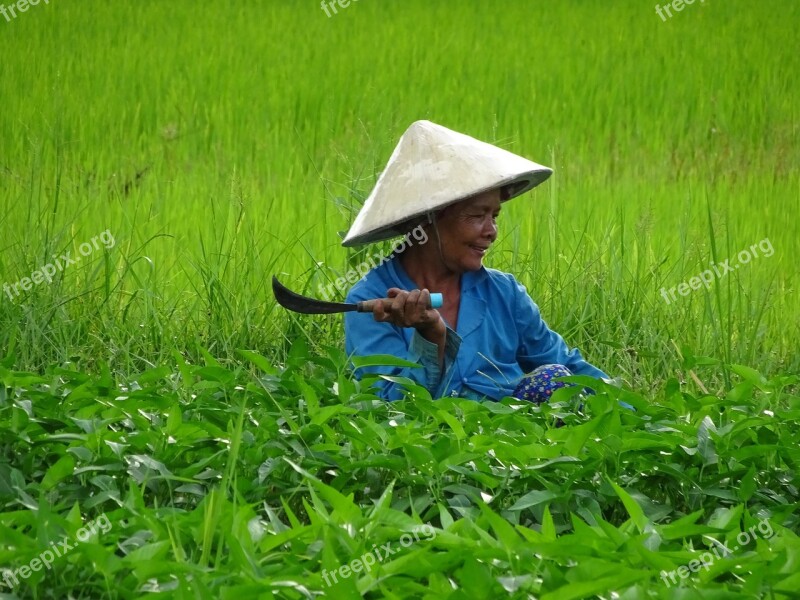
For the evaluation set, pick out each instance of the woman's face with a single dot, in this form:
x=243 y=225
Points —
x=467 y=229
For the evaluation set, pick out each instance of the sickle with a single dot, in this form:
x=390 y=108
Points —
x=311 y=306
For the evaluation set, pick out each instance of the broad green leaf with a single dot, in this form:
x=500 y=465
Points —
x=705 y=444
x=382 y=360
x=634 y=510
x=61 y=469
x=505 y=533
x=534 y=498
x=258 y=360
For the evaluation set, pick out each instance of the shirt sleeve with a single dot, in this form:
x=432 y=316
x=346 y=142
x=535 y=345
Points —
x=366 y=337
x=539 y=345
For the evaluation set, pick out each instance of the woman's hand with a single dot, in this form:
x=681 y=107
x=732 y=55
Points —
x=410 y=309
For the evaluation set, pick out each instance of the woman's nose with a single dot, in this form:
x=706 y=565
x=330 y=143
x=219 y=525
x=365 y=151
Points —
x=490 y=229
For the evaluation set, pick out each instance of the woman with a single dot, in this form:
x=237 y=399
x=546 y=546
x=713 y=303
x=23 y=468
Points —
x=489 y=333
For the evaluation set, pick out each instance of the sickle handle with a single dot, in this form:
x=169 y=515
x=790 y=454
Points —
x=369 y=305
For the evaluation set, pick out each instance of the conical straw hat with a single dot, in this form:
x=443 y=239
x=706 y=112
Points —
x=430 y=168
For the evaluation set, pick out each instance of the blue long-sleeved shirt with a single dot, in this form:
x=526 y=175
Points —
x=500 y=336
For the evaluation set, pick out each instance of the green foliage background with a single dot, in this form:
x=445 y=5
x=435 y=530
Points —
x=222 y=143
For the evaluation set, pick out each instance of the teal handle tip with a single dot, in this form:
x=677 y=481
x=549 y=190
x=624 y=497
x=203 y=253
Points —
x=436 y=301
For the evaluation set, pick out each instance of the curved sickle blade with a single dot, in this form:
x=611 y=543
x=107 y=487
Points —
x=307 y=306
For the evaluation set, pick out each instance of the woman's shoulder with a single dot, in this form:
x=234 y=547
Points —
x=502 y=286
x=501 y=278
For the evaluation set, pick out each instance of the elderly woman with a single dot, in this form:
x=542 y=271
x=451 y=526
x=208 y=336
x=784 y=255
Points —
x=489 y=333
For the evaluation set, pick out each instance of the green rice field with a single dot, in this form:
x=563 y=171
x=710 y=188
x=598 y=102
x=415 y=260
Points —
x=167 y=430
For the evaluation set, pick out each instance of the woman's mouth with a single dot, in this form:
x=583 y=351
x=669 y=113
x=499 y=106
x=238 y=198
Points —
x=480 y=250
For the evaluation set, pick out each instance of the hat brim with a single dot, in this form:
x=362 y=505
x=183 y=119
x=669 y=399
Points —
x=514 y=187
